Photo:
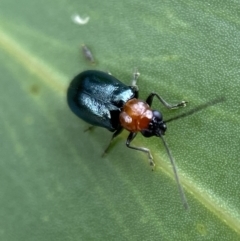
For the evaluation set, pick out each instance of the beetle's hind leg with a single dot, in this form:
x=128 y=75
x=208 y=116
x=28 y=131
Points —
x=89 y=128
x=116 y=133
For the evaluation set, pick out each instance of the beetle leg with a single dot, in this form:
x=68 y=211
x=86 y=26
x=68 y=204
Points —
x=130 y=138
x=89 y=128
x=116 y=133
x=167 y=105
x=136 y=75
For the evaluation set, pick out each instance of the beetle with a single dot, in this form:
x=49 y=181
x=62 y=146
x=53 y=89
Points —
x=102 y=100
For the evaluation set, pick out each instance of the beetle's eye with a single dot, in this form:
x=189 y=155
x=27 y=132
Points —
x=157 y=115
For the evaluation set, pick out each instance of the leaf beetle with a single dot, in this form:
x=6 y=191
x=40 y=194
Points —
x=102 y=100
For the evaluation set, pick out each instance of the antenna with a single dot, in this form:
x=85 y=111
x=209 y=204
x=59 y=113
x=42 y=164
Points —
x=198 y=108
x=180 y=188
x=190 y=112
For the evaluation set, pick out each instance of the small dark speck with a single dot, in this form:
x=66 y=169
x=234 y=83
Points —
x=201 y=229
x=34 y=89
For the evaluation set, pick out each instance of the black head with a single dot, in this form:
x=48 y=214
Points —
x=157 y=126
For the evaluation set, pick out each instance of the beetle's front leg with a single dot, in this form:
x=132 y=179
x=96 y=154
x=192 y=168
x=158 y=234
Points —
x=165 y=103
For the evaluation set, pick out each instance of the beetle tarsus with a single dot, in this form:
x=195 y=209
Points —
x=104 y=153
x=89 y=128
x=107 y=148
x=182 y=104
x=130 y=138
x=151 y=162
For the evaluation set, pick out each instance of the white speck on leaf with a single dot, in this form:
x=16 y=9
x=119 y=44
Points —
x=78 y=20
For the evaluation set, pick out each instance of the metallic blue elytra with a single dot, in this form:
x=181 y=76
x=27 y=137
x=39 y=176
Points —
x=97 y=98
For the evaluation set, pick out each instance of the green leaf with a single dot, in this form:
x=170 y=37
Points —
x=54 y=183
